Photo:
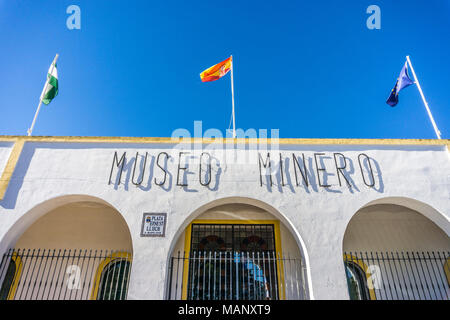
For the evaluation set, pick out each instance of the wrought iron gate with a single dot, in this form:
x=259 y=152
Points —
x=217 y=275
x=398 y=275
x=42 y=274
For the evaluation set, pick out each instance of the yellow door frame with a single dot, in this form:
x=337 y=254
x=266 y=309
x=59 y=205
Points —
x=277 y=234
x=98 y=275
x=365 y=269
x=17 y=274
x=447 y=270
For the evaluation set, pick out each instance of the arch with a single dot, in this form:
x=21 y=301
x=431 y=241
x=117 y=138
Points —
x=244 y=201
x=401 y=242
x=71 y=238
x=441 y=220
x=32 y=215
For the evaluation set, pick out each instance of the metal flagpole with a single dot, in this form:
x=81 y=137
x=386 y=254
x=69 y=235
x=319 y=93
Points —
x=232 y=98
x=30 y=130
x=436 y=130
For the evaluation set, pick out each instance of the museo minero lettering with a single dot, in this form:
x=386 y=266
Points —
x=307 y=170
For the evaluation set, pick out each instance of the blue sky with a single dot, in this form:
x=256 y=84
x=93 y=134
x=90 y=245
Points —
x=311 y=69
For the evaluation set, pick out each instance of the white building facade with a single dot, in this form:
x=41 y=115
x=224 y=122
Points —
x=161 y=218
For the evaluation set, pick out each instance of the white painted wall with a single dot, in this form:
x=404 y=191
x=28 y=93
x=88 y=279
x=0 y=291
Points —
x=317 y=216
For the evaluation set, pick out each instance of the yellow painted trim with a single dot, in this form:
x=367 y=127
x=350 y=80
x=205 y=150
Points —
x=283 y=141
x=447 y=270
x=102 y=265
x=280 y=264
x=19 y=265
x=365 y=268
x=10 y=166
x=187 y=248
x=278 y=246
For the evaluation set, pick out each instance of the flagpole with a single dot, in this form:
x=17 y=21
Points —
x=436 y=130
x=232 y=99
x=30 y=130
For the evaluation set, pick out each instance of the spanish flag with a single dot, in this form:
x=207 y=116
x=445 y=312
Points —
x=217 y=71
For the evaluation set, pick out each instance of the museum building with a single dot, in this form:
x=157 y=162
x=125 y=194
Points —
x=224 y=219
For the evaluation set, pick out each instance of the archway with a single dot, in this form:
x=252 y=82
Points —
x=397 y=249
x=237 y=248
x=72 y=247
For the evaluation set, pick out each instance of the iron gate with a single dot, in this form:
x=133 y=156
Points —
x=64 y=274
x=398 y=275
x=225 y=275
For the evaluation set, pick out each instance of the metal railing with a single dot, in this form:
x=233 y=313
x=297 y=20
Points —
x=64 y=274
x=225 y=275
x=398 y=275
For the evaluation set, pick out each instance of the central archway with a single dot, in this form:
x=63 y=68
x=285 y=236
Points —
x=237 y=248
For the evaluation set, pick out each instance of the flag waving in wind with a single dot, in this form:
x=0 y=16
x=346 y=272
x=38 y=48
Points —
x=217 y=71
x=402 y=82
x=51 y=90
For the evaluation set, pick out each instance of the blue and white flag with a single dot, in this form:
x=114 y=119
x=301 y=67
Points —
x=402 y=82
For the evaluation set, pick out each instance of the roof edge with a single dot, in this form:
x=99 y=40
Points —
x=282 y=141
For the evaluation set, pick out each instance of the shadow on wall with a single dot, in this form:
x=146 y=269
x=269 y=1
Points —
x=15 y=184
x=145 y=171
x=331 y=172
x=142 y=170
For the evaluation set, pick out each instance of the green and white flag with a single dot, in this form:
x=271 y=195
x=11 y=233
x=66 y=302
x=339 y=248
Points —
x=49 y=92
x=51 y=89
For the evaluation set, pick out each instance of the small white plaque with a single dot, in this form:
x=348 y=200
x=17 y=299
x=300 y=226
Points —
x=154 y=225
